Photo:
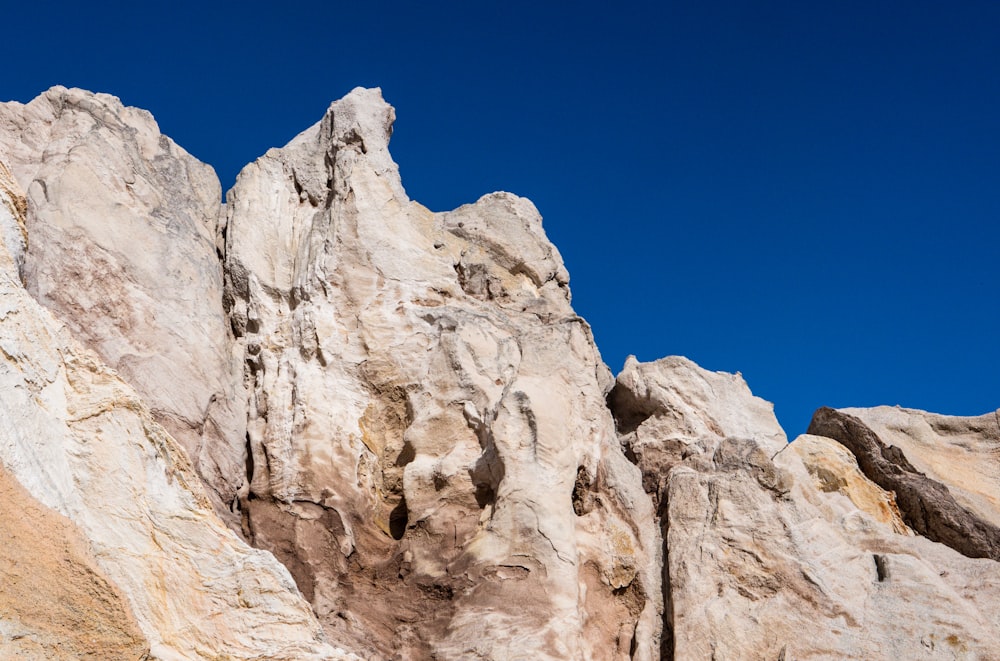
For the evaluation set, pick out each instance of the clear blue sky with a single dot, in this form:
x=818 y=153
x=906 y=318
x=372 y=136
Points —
x=805 y=192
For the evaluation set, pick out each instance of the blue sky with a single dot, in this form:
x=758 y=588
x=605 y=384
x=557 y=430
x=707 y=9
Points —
x=807 y=193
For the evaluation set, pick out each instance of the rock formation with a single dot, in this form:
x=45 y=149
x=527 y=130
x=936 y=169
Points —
x=122 y=248
x=431 y=453
x=786 y=551
x=951 y=449
x=322 y=421
x=92 y=464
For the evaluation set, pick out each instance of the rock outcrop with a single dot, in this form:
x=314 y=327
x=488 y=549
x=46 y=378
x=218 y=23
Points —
x=786 y=551
x=432 y=456
x=123 y=230
x=134 y=534
x=962 y=453
x=321 y=421
x=928 y=505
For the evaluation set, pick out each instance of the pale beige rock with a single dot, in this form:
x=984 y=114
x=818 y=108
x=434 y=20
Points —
x=13 y=230
x=430 y=450
x=432 y=455
x=123 y=227
x=80 y=442
x=835 y=470
x=962 y=453
x=764 y=560
x=670 y=409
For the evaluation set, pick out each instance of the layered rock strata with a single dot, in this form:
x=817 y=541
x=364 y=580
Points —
x=928 y=505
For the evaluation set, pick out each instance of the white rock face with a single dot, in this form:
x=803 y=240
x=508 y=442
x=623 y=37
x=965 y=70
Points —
x=671 y=409
x=122 y=228
x=787 y=552
x=82 y=443
x=432 y=455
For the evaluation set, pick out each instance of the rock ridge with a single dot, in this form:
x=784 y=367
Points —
x=425 y=401
x=322 y=421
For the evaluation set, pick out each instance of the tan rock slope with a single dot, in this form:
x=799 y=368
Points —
x=322 y=421
x=56 y=603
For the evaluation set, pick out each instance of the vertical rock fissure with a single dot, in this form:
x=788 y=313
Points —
x=667 y=635
x=881 y=567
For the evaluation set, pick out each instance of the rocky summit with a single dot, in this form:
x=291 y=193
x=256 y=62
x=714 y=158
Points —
x=320 y=421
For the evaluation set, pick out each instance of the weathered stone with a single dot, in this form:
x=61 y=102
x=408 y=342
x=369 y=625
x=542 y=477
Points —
x=963 y=453
x=767 y=554
x=927 y=505
x=81 y=443
x=432 y=455
x=123 y=226
x=835 y=470
x=13 y=230
x=56 y=603
x=671 y=409
x=424 y=439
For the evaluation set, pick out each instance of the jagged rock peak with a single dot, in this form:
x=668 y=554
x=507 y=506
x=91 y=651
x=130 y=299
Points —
x=425 y=405
x=361 y=121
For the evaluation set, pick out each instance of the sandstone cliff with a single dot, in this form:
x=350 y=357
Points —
x=320 y=420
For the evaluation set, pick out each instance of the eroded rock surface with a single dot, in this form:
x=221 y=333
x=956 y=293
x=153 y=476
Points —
x=81 y=443
x=835 y=470
x=404 y=409
x=928 y=506
x=775 y=551
x=56 y=603
x=431 y=453
x=960 y=452
x=123 y=226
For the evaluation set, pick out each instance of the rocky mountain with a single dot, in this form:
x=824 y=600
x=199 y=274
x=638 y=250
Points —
x=320 y=421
